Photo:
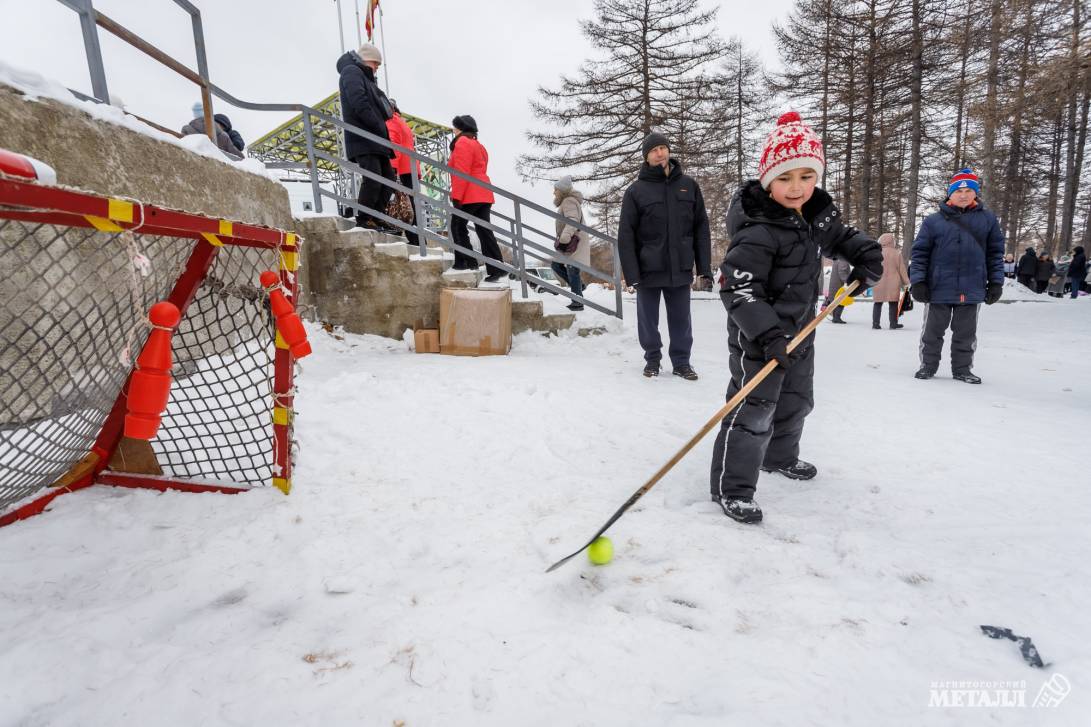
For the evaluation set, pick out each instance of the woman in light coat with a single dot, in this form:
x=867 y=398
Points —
x=889 y=288
x=569 y=204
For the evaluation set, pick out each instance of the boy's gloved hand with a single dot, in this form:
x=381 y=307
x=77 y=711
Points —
x=775 y=347
x=920 y=292
x=993 y=293
x=868 y=271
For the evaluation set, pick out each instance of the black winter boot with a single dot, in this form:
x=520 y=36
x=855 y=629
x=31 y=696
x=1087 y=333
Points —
x=924 y=373
x=739 y=509
x=651 y=369
x=686 y=372
x=798 y=470
x=966 y=376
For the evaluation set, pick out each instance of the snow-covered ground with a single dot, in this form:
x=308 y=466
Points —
x=402 y=581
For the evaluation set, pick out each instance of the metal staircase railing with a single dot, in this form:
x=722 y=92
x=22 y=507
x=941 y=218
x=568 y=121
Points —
x=517 y=237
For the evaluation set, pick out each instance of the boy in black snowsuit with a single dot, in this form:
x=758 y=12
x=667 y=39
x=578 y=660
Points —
x=781 y=225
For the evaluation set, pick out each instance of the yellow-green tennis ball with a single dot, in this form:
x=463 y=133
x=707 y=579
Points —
x=601 y=551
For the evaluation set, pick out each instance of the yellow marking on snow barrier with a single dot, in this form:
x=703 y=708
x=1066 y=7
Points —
x=282 y=484
x=227 y=228
x=281 y=343
x=290 y=238
x=120 y=210
x=102 y=224
x=280 y=415
x=289 y=261
x=215 y=241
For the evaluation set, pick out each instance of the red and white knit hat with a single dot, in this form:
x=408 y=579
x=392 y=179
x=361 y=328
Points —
x=792 y=145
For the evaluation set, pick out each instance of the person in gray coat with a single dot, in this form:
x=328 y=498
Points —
x=839 y=273
x=569 y=204
x=223 y=139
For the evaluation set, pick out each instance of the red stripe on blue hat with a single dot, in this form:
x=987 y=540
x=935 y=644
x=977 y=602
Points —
x=967 y=177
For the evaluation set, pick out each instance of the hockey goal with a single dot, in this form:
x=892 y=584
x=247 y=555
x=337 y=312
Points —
x=81 y=272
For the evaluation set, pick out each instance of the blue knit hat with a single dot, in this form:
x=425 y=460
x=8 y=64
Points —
x=965 y=178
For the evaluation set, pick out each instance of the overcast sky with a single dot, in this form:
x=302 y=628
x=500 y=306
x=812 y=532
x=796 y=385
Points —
x=484 y=58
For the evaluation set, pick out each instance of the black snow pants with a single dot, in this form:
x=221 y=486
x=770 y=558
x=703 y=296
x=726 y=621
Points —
x=765 y=429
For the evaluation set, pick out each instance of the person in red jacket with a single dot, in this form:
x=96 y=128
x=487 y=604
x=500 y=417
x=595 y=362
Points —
x=404 y=167
x=469 y=156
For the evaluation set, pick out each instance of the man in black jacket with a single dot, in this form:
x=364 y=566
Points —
x=365 y=106
x=662 y=236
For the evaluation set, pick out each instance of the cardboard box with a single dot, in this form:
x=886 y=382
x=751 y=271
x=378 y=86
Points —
x=474 y=321
x=426 y=340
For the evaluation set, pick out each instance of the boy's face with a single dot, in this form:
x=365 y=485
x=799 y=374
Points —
x=963 y=197
x=793 y=188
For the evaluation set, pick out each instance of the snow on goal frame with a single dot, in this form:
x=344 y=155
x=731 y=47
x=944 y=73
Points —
x=81 y=272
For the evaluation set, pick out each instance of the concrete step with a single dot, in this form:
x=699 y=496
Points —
x=360 y=237
x=529 y=315
x=393 y=249
x=462 y=278
x=526 y=309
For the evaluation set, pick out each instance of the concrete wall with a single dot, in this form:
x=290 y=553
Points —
x=109 y=159
x=365 y=281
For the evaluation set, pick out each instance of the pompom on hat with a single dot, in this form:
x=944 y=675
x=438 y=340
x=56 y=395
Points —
x=791 y=145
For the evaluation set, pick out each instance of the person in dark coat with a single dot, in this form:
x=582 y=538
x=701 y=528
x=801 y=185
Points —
x=781 y=225
x=1027 y=269
x=958 y=263
x=365 y=106
x=1077 y=270
x=662 y=236
x=1046 y=268
x=236 y=137
x=223 y=139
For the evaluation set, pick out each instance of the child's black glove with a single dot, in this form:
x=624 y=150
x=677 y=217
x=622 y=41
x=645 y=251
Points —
x=868 y=271
x=775 y=347
x=993 y=293
x=920 y=292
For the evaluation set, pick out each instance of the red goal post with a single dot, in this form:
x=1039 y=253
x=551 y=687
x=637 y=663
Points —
x=82 y=271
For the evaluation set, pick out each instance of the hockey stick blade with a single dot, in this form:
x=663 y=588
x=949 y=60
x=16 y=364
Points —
x=716 y=418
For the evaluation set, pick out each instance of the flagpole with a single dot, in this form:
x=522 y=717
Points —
x=359 y=38
x=382 y=41
x=340 y=27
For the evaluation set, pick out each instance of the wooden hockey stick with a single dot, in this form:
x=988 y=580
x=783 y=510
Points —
x=712 y=422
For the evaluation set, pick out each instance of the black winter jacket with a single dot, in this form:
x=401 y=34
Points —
x=663 y=233
x=364 y=105
x=1028 y=264
x=1045 y=271
x=773 y=267
x=236 y=137
x=1078 y=267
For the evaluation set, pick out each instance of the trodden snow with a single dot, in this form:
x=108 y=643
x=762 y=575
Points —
x=402 y=583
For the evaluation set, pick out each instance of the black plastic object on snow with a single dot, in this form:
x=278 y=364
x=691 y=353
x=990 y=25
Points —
x=1026 y=646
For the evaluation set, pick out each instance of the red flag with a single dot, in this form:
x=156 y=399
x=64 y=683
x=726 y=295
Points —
x=369 y=21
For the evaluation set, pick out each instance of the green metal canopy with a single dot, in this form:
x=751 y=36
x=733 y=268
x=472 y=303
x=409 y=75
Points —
x=287 y=142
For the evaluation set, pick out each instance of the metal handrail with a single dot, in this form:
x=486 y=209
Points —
x=91 y=19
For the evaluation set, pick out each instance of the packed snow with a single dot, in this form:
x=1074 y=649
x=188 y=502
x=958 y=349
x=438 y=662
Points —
x=402 y=583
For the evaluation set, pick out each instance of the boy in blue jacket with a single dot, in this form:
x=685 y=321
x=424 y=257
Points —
x=958 y=263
